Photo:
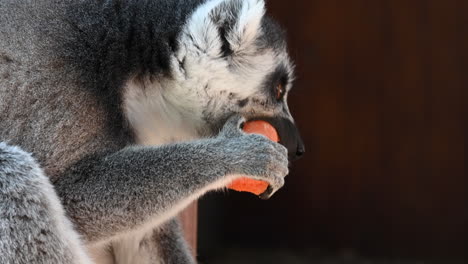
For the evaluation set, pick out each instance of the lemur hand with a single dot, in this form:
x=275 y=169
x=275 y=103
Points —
x=253 y=155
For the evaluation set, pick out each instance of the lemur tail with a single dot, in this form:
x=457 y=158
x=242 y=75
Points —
x=33 y=226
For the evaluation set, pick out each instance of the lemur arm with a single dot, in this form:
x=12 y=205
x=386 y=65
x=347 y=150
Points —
x=122 y=191
x=115 y=193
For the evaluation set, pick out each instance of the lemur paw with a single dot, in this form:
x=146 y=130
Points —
x=254 y=156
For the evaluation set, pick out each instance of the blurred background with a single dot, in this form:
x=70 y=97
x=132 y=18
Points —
x=381 y=99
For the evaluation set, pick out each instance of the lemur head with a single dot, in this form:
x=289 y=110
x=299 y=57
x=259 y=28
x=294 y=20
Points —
x=230 y=59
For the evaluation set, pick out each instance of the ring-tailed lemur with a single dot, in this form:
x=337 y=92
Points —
x=133 y=110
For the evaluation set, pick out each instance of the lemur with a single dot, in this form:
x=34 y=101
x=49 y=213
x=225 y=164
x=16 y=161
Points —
x=116 y=114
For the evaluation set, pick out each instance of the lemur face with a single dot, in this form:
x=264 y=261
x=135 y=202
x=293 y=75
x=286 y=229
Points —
x=230 y=59
x=235 y=60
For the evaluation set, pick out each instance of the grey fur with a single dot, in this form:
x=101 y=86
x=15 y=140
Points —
x=65 y=69
x=180 y=169
x=33 y=227
x=171 y=246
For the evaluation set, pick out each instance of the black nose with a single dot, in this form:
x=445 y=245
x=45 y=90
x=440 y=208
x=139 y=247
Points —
x=300 y=150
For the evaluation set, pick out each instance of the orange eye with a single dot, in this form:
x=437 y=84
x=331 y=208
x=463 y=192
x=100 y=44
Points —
x=279 y=92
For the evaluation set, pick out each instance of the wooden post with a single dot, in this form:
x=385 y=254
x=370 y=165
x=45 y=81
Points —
x=188 y=219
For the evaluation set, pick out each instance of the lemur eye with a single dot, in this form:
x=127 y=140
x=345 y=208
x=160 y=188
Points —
x=280 y=91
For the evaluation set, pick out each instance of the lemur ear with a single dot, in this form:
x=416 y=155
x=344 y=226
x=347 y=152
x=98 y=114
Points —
x=227 y=26
x=239 y=23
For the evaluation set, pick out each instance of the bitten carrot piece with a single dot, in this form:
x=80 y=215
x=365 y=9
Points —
x=263 y=128
x=245 y=184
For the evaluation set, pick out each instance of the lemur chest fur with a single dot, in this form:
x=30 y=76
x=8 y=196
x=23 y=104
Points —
x=154 y=117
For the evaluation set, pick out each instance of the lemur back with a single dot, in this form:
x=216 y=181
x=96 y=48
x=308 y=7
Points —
x=43 y=106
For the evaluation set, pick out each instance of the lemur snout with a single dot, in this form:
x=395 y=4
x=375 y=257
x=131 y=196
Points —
x=289 y=136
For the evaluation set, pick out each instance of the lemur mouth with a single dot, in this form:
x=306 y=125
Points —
x=288 y=134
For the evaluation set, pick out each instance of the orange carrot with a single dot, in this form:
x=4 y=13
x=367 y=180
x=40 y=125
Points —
x=245 y=184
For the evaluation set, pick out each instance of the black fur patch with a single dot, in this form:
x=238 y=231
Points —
x=226 y=47
x=243 y=102
x=278 y=76
x=273 y=37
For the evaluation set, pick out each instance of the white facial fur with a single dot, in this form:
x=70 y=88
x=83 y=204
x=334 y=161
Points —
x=204 y=81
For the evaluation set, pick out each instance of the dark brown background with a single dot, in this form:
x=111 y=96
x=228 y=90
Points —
x=381 y=101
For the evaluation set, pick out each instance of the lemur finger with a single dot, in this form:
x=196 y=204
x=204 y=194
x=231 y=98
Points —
x=273 y=187
x=279 y=168
x=232 y=127
x=276 y=167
